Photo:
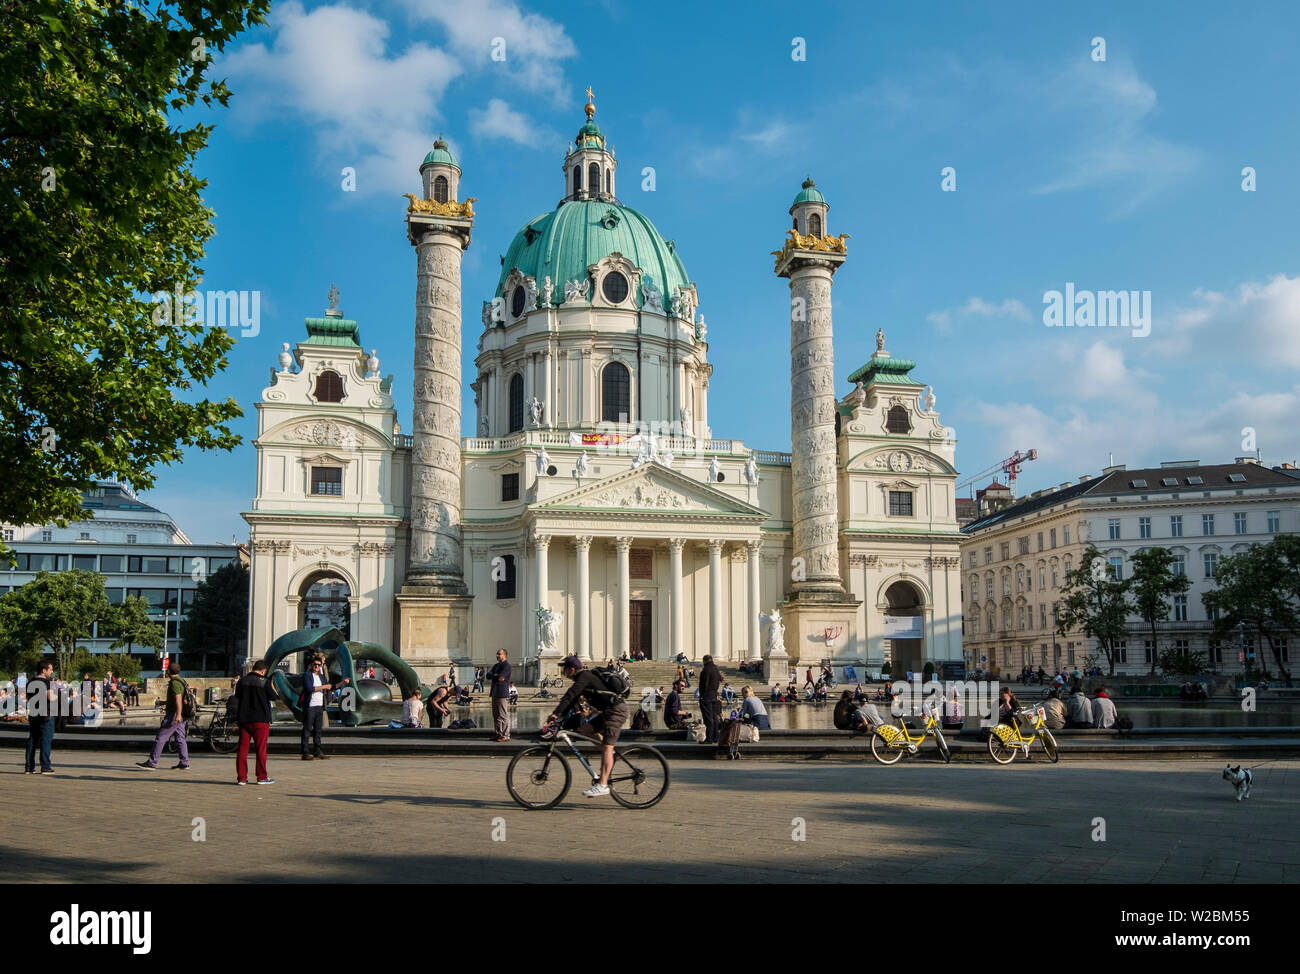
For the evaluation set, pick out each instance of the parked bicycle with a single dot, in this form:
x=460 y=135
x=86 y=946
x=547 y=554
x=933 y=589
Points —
x=1006 y=740
x=539 y=777
x=890 y=742
x=223 y=733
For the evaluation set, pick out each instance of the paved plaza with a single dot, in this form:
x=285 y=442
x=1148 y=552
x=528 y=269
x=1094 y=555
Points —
x=382 y=819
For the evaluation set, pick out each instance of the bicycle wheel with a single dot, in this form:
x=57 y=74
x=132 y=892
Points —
x=538 y=778
x=1047 y=692
x=884 y=751
x=1000 y=751
x=944 y=751
x=223 y=735
x=640 y=776
x=1049 y=744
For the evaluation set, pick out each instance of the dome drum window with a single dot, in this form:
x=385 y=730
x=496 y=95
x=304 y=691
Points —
x=614 y=287
x=615 y=393
x=517 y=301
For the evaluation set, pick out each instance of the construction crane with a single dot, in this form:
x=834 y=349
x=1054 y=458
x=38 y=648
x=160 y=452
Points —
x=1010 y=466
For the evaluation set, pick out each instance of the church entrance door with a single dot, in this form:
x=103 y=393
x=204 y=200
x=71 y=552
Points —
x=639 y=618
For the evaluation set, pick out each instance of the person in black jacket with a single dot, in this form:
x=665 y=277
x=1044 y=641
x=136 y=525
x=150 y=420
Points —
x=710 y=708
x=605 y=726
x=253 y=696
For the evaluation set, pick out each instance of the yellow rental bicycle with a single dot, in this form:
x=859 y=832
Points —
x=890 y=742
x=1006 y=740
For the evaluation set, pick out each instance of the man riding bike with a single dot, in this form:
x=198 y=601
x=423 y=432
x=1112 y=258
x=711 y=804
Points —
x=611 y=715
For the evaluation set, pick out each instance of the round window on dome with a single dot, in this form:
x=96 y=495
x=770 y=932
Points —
x=614 y=287
x=517 y=302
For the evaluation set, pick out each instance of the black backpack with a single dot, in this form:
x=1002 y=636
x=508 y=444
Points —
x=640 y=720
x=844 y=715
x=189 y=702
x=614 y=682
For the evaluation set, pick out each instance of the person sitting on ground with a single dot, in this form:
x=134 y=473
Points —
x=1103 y=710
x=675 y=715
x=792 y=693
x=725 y=692
x=859 y=694
x=412 y=709
x=818 y=692
x=514 y=695
x=681 y=658
x=775 y=696
x=752 y=710
x=463 y=697
x=1056 y=712
x=1079 y=710
x=436 y=705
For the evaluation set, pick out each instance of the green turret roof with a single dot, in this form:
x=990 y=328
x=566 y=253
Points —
x=440 y=154
x=333 y=331
x=566 y=241
x=809 y=194
x=886 y=370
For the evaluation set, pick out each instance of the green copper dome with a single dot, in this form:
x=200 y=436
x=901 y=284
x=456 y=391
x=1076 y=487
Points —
x=809 y=194
x=566 y=241
x=440 y=154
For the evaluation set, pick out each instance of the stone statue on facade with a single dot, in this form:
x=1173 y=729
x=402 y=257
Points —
x=333 y=298
x=530 y=293
x=487 y=314
x=688 y=425
x=751 y=471
x=880 y=339
x=929 y=399
x=651 y=299
x=373 y=364
x=582 y=467
x=775 y=633
x=573 y=290
x=648 y=452
x=548 y=289
x=666 y=458
x=543 y=461
x=535 y=410
x=713 y=470
x=286 y=358
x=548 y=629
x=701 y=330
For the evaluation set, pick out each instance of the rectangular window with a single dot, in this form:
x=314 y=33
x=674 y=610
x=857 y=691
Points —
x=1216 y=651
x=218 y=562
x=1180 y=608
x=510 y=486
x=130 y=539
x=975 y=624
x=1274 y=522
x=1005 y=550
x=1040 y=540
x=988 y=556
x=1067 y=535
x=1121 y=651
x=1069 y=652
x=506 y=584
x=1148 y=650
x=114 y=596
x=160 y=599
x=187 y=600
x=1113 y=524
x=1042 y=577
x=1006 y=583
x=327 y=481
x=8 y=534
x=1211 y=561
x=1180 y=564
x=43 y=563
x=112 y=563
x=86 y=562
x=1239 y=523
x=1024 y=546
x=147 y=564
x=47 y=535
x=1052 y=535
x=1144 y=527
x=1117 y=568
x=641 y=563
x=1020 y=581
x=988 y=587
x=972 y=559
x=1042 y=621
x=1176 y=526
x=84 y=536
x=1055 y=577
x=1207 y=524
x=900 y=503
x=1020 y=618
x=1282 y=650
x=1181 y=647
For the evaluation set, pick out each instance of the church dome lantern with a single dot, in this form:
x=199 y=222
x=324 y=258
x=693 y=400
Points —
x=589 y=165
x=440 y=174
x=809 y=210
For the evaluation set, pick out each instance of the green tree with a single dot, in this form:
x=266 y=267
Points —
x=218 y=619
x=1252 y=590
x=56 y=609
x=20 y=650
x=101 y=210
x=1153 y=583
x=1192 y=663
x=130 y=624
x=98 y=665
x=1094 y=602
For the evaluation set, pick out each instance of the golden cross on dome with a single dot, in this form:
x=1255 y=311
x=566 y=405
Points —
x=590 y=107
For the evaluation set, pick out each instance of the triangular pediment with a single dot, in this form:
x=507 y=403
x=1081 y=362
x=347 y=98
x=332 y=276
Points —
x=651 y=489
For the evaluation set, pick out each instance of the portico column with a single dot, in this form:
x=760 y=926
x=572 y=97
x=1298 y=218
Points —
x=581 y=621
x=675 y=589
x=542 y=549
x=715 y=597
x=753 y=548
x=622 y=631
x=548 y=416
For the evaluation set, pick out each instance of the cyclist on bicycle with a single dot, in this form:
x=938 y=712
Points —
x=611 y=715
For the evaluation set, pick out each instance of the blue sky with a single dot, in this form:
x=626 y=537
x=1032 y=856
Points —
x=1122 y=174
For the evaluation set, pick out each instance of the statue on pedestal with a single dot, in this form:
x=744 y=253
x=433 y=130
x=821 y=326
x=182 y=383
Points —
x=535 y=410
x=548 y=629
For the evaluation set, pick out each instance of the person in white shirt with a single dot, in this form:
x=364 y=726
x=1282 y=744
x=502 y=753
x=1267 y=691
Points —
x=314 y=688
x=412 y=710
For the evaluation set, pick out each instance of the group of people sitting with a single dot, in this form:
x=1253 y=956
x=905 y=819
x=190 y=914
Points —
x=1074 y=710
x=1194 y=692
x=635 y=656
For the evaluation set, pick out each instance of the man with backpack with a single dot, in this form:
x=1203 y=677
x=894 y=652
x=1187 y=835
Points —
x=180 y=707
x=605 y=692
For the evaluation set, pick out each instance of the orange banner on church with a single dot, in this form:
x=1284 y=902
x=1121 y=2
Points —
x=602 y=439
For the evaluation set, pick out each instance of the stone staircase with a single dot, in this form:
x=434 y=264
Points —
x=660 y=673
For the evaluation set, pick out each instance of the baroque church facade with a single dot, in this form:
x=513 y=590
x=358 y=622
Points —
x=596 y=510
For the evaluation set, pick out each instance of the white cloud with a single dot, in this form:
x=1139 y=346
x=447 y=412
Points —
x=1101 y=373
x=373 y=109
x=534 y=45
x=499 y=121
x=978 y=307
x=1258 y=321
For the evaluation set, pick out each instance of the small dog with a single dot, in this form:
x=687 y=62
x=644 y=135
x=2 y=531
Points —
x=1240 y=779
